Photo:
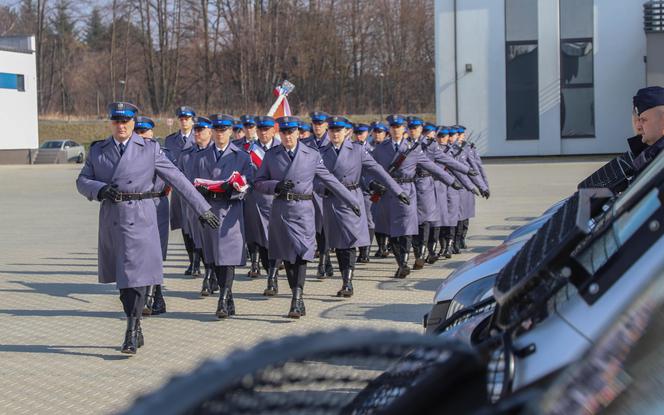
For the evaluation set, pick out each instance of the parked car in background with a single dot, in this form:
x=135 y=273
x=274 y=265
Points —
x=60 y=151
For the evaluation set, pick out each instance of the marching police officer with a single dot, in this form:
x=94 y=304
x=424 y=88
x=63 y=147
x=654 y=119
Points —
x=379 y=133
x=188 y=164
x=154 y=299
x=401 y=157
x=361 y=133
x=344 y=231
x=249 y=129
x=218 y=162
x=305 y=130
x=288 y=172
x=238 y=131
x=318 y=140
x=176 y=143
x=257 y=208
x=119 y=172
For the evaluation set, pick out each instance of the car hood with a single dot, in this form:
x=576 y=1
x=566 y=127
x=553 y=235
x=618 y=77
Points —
x=483 y=265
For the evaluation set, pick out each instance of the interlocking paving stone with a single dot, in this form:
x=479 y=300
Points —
x=60 y=330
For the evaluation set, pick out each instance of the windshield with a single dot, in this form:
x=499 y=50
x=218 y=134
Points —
x=52 y=144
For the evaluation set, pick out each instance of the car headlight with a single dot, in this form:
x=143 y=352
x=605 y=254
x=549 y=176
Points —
x=471 y=294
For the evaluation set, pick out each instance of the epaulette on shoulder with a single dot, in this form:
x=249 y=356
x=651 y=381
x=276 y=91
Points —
x=273 y=148
x=171 y=135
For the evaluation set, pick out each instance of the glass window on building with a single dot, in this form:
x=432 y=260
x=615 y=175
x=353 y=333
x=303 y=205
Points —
x=12 y=81
x=522 y=84
x=577 y=109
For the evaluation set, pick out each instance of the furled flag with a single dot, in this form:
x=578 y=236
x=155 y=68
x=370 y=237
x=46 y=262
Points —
x=256 y=153
x=236 y=180
x=280 y=108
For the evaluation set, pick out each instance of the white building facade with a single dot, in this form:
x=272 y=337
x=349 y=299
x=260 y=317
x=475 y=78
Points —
x=540 y=77
x=18 y=100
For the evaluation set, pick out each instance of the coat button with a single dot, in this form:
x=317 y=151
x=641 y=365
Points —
x=129 y=182
x=115 y=223
x=131 y=224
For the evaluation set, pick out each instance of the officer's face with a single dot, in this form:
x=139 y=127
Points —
x=145 y=133
x=249 y=130
x=337 y=135
x=222 y=136
x=121 y=129
x=186 y=123
x=304 y=134
x=319 y=128
x=636 y=124
x=652 y=122
x=453 y=138
x=430 y=135
x=265 y=134
x=442 y=139
x=415 y=132
x=461 y=137
x=238 y=134
x=396 y=131
x=379 y=136
x=362 y=136
x=289 y=137
x=202 y=136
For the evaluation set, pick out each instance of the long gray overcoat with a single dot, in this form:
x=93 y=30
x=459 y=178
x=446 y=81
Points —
x=226 y=244
x=292 y=230
x=188 y=164
x=312 y=142
x=343 y=229
x=400 y=219
x=176 y=143
x=257 y=208
x=129 y=248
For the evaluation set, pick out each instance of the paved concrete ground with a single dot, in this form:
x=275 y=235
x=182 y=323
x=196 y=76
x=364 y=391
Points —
x=60 y=330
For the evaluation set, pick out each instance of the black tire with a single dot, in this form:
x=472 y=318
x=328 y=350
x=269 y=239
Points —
x=340 y=372
x=79 y=159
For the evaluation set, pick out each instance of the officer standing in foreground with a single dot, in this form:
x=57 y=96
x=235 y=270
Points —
x=400 y=158
x=257 y=208
x=188 y=164
x=649 y=104
x=176 y=143
x=218 y=162
x=288 y=172
x=154 y=299
x=344 y=231
x=318 y=140
x=119 y=172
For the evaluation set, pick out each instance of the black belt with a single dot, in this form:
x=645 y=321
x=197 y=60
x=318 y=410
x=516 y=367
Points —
x=216 y=196
x=352 y=186
x=402 y=180
x=294 y=196
x=124 y=197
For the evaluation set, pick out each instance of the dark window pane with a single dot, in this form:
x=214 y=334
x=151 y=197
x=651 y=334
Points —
x=577 y=112
x=20 y=82
x=520 y=20
x=577 y=63
x=576 y=18
x=522 y=92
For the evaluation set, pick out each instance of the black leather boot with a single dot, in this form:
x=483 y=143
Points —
x=149 y=301
x=297 y=305
x=404 y=269
x=320 y=272
x=272 y=282
x=419 y=261
x=206 y=287
x=130 y=344
x=347 y=285
x=329 y=270
x=363 y=258
x=159 y=306
x=188 y=246
x=196 y=268
x=464 y=232
x=255 y=270
x=433 y=256
x=139 y=336
x=447 y=248
x=231 y=303
x=222 y=305
x=214 y=281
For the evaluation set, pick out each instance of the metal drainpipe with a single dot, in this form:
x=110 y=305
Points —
x=456 y=72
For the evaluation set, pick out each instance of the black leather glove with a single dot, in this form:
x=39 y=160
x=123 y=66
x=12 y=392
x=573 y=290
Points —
x=475 y=192
x=486 y=194
x=472 y=172
x=403 y=198
x=108 y=192
x=356 y=210
x=376 y=187
x=456 y=185
x=204 y=191
x=284 y=186
x=210 y=219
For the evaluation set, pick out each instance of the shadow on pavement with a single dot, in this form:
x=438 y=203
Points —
x=408 y=313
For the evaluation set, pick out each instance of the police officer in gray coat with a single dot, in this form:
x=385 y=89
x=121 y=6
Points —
x=218 y=162
x=318 y=140
x=400 y=158
x=188 y=164
x=154 y=298
x=287 y=172
x=257 y=208
x=344 y=231
x=119 y=172
x=361 y=135
x=176 y=143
